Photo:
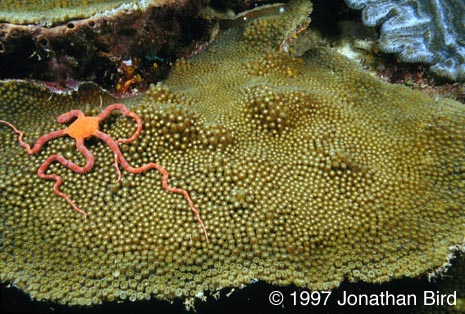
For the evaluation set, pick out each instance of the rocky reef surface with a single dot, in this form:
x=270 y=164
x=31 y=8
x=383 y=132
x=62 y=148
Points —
x=120 y=45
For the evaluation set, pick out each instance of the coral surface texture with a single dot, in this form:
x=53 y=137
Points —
x=50 y=12
x=305 y=171
x=431 y=32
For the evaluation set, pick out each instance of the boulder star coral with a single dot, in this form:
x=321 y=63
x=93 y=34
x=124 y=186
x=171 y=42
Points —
x=83 y=128
x=305 y=169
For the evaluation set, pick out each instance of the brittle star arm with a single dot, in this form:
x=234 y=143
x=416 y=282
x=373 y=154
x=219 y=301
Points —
x=119 y=157
x=40 y=141
x=68 y=164
x=66 y=117
x=125 y=111
x=106 y=112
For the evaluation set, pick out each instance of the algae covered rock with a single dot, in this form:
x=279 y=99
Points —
x=113 y=43
x=306 y=171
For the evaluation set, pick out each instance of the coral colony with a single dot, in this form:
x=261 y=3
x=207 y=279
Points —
x=83 y=128
x=431 y=32
x=306 y=170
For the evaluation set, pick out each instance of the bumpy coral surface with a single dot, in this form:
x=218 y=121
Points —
x=431 y=32
x=49 y=12
x=305 y=171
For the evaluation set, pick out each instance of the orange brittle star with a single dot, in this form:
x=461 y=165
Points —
x=83 y=128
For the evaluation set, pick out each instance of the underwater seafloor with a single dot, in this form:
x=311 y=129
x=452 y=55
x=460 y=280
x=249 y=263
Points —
x=245 y=294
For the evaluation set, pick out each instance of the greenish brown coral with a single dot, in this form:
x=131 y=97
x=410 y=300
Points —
x=305 y=171
x=51 y=12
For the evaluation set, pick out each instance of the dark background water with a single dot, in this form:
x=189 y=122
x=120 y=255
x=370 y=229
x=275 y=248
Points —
x=252 y=299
